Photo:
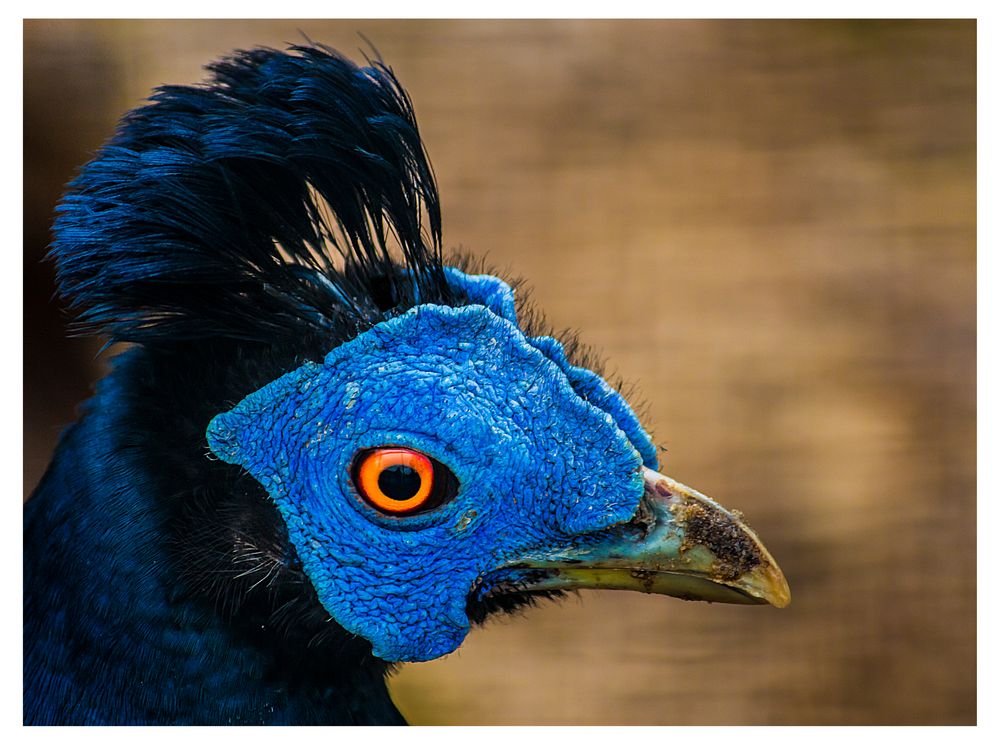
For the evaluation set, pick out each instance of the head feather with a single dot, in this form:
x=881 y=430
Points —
x=260 y=204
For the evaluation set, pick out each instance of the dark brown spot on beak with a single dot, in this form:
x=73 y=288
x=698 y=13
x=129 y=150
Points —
x=735 y=551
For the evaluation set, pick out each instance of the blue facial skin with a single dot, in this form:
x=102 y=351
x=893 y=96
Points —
x=543 y=452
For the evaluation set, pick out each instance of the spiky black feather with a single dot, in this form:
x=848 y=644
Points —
x=260 y=205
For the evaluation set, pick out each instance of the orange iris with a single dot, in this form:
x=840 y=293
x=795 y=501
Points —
x=395 y=479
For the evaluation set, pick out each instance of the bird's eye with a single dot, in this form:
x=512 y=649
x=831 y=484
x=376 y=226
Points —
x=402 y=481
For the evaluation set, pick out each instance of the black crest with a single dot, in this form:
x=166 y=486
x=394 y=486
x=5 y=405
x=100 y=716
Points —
x=260 y=205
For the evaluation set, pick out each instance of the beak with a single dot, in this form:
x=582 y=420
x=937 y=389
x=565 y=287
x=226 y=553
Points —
x=679 y=543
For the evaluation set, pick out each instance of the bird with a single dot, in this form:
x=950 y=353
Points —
x=325 y=447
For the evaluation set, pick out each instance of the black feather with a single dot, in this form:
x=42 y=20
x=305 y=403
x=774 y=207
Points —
x=262 y=204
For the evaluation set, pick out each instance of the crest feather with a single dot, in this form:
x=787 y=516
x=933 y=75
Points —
x=262 y=203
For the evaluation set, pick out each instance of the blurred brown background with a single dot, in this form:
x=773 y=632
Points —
x=770 y=228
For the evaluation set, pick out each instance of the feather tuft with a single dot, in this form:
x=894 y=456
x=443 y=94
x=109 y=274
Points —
x=261 y=204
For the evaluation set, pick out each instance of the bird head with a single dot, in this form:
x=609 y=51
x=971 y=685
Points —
x=431 y=454
x=444 y=454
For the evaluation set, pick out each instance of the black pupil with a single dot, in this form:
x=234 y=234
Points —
x=399 y=482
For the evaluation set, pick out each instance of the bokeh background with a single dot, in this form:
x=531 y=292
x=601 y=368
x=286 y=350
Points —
x=769 y=227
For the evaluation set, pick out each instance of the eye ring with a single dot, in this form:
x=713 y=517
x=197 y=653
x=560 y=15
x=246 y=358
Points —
x=401 y=481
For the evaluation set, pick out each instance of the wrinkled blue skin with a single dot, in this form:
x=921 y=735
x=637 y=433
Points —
x=543 y=451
